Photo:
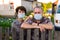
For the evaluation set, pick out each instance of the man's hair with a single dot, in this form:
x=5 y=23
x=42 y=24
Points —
x=39 y=7
x=20 y=8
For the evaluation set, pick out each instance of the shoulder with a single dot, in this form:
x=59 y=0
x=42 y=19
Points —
x=15 y=22
x=28 y=20
x=46 y=20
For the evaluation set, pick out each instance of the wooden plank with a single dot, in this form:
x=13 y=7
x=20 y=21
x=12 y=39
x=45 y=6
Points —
x=21 y=34
x=6 y=34
x=50 y=35
x=13 y=34
x=57 y=35
x=28 y=34
x=36 y=34
x=43 y=35
x=0 y=33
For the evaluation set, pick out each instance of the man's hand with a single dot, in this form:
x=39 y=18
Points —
x=35 y=24
x=48 y=26
x=42 y=28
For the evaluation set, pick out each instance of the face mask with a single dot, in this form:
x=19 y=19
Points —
x=21 y=15
x=38 y=16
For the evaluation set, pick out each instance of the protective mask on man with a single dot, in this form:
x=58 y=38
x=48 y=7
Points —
x=38 y=16
x=21 y=15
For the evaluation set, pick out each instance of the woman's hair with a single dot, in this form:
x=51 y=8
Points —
x=20 y=8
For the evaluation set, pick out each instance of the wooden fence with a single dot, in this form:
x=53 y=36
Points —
x=29 y=34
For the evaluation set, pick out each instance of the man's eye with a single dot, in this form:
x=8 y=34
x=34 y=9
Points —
x=37 y=12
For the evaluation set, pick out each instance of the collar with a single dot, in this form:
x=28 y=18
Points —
x=35 y=21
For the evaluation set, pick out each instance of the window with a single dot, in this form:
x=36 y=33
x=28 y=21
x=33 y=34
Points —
x=4 y=1
x=1 y=1
x=58 y=11
x=49 y=11
x=59 y=6
x=30 y=0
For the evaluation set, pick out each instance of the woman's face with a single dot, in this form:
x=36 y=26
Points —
x=21 y=11
x=21 y=14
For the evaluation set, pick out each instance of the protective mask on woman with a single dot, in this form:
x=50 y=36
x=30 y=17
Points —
x=38 y=16
x=21 y=15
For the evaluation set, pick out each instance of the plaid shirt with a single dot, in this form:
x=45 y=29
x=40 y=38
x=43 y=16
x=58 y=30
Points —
x=16 y=24
x=43 y=20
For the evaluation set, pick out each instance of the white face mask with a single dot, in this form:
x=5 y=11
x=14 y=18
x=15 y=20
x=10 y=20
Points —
x=38 y=16
x=21 y=15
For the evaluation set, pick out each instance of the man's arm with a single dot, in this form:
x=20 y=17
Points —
x=27 y=25
x=47 y=25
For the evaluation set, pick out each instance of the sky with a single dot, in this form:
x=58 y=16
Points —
x=17 y=3
x=46 y=1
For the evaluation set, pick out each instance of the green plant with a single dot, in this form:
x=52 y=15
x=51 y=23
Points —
x=28 y=13
x=6 y=21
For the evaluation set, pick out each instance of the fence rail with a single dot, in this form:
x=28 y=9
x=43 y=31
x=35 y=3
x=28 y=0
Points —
x=28 y=34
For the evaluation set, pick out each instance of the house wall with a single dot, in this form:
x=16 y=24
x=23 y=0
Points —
x=27 y=5
x=5 y=8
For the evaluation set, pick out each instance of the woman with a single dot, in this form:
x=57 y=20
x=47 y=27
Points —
x=20 y=14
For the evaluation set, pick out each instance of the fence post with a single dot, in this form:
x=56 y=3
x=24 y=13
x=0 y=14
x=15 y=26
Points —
x=56 y=35
x=13 y=34
x=43 y=35
x=6 y=33
x=50 y=35
x=28 y=34
x=21 y=34
x=0 y=33
x=36 y=34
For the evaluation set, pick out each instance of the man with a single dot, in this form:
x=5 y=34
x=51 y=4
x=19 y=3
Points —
x=38 y=21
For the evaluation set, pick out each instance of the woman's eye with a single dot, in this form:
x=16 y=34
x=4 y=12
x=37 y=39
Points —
x=36 y=12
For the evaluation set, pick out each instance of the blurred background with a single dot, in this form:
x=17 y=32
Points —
x=7 y=9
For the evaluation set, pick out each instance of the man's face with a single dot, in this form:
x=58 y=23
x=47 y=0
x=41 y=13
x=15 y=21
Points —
x=37 y=11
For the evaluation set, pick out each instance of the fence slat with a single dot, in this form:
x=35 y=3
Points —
x=57 y=35
x=50 y=35
x=43 y=35
x=0 y=33
x=13 y=34
x=6 y=34
x=36 y=34
x=21 y=34
x=28 y=34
